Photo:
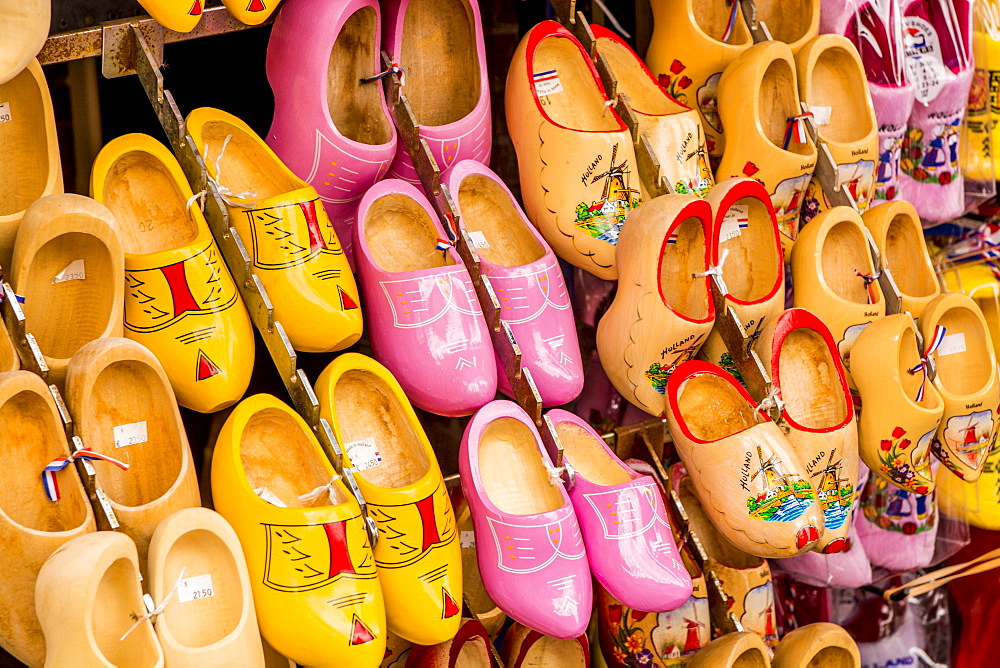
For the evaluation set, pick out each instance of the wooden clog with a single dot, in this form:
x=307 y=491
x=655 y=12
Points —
x=89 y=602
x=966 y=378
x=733 y=650
x=251 y=13
x=832 y=84
x=68 y=266
x=834 y=277
x=211 y=620
x=672 y=129
x=272 y=659
x=768 y=141
x=124 y=408
x=524 y=647
x=575 y=155
x=486 y=610
x=899 y=420
x=978 y=281
x=29 y=137
x=899 y=237
x=179 y=16
x=470 y=648
x=820 y=644
x=746 y=245
x=31 y=526
x=25 y=27
x=9 y=360
x=180 y=300
x=754 y=487
x=663 y=311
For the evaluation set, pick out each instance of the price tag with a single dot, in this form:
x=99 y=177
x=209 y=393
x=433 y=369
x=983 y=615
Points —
x=479 y=239
x=74 y=271
x=467 y=539
x=364 y=454
x=735 y=221
x=547 y=82
x=5 y=112
x=130 y=434
x=821 y=115
x=951 y=344
x=924 y=63
x=191 y=589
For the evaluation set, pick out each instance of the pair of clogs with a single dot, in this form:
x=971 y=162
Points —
x=332 y=125
x=819 y=644
x=427 y=323
x=92 y=610
x=539 y=544
x=663 y=313
x=325 y=594
x=184 y=15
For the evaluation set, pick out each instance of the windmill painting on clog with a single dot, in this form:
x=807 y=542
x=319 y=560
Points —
x=575 y=155
x=180 y=300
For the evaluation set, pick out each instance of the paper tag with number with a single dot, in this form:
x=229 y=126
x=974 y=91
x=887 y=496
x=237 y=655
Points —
x=5 y=112
x=467 y=539
x=191 y=589
x=951 y=344
x=821 y=115
x=547 y=82
x=479 y=239
x=130 y=434
x=736 y=220
x=74 y=271
x=364 y=454
x=925 y=67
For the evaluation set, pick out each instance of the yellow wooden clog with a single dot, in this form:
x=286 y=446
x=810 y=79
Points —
x=418 y=555
x=978 y=281
x=819 y=644
x=733 y=650
x=176 y=15
x=251 y=12
x=180 y=300
x=284 y=227
x=312 y=572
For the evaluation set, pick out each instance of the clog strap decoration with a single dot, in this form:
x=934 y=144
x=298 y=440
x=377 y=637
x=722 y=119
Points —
x=795 y=130
x=922 y=366
x=51 y=484
x=869 y=279
x=153 y=610
x=242 y=200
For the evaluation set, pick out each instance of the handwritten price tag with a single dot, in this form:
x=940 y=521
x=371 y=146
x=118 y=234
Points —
x=192 y=589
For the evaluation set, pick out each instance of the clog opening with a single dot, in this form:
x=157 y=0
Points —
x=810 y=383
x=279 y=456
x=644 y=94
x=713 y=19
x=838 y=83
x=368 y=409
x=990 y=306
x=777 y=102
x=679 y=262
x=715 y=544
x=753 y=264
x=401 y=235
x=440 y=59
x=580 y=104
x=148 y=205
x=908 y=357
x=832 y=657
x=905 y=256
x=788 y=20
x=356 y=108
x=589 y=456
x=29 y=440
x=488 y=209
x=207 y=619
x=246 y=166
x=967 y=371
x=547 y=651
x=26 y=164
x=473 y=654
x=845 y=252
x=118 y=598
x=128 y=392
x=66 y=314
x=513 y=471
x=754 y=658
x=712 y=408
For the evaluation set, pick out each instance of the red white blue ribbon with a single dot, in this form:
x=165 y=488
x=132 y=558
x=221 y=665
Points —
x=443 y=244
x=932 y=346
x=3 y=293
x=51 y=484
x=869 y=279
x=393 y=69
x=796 y=130
x=732 y=20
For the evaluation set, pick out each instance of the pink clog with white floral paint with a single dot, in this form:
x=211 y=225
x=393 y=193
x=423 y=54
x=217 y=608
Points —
x=425 y=323
x=530 y=550
x=330 y=128
x=525 y=273
x=630 y=545
x=439 y=46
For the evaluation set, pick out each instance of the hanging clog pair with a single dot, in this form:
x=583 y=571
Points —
x=821 y=643
x=184 y=15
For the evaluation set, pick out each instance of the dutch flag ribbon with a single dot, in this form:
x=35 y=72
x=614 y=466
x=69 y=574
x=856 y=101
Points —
x=869 y=279
x=732 y=20
x=796 y=130
x=921 y=366
x=443 y=244
x=393 y=69
x=3 y=293
x=49 y=481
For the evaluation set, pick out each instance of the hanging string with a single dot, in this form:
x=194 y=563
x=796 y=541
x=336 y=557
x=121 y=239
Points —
x=795 y=130
x=921 y=366
x=158 y=610
x=869 y=279
x=228 y=196
x=715 y=271
x=393 y=69
x=51 y=484
x=309 y=498
x=731 y=24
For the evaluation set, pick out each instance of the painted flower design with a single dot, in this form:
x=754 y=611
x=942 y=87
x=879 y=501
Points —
x=675 y=83
x=634 y=642
x=895 y=459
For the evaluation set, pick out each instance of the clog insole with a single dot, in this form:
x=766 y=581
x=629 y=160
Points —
x=787 y=20
x=246 y=164
x=473 y=654
x=589 y=457
x=713 y=19
x=906 y=258
x=368 y=409
x=31 y=437
x=752 y=658
x=716 y=545
x=753 y=263
x=118 y=594
x=440 y=60
x=810 y=384
x=24 y=145
x=149 y=207
x=401 y=235
x=546 y=651
x=486 y=208
x=354 y=107
x=680 y=289
x=580 y=104
x=845 y=252
x=965 y=372
x=778 y=101
x=832 y=657
x=513 y=471
x=838 y=83
x=644 y=94
x=712 y=408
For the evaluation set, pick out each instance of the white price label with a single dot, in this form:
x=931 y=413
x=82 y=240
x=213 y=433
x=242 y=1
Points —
x=364 y=454
x=270 y=497
x=735 y=221
x=821 y=115
x=467 y=539
x=547 y=82
x=130 y=434
x=479 y=239
x=951 y=344
x=191 y=589
x=5 y=112
x=74 y=271
x=926 y=70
